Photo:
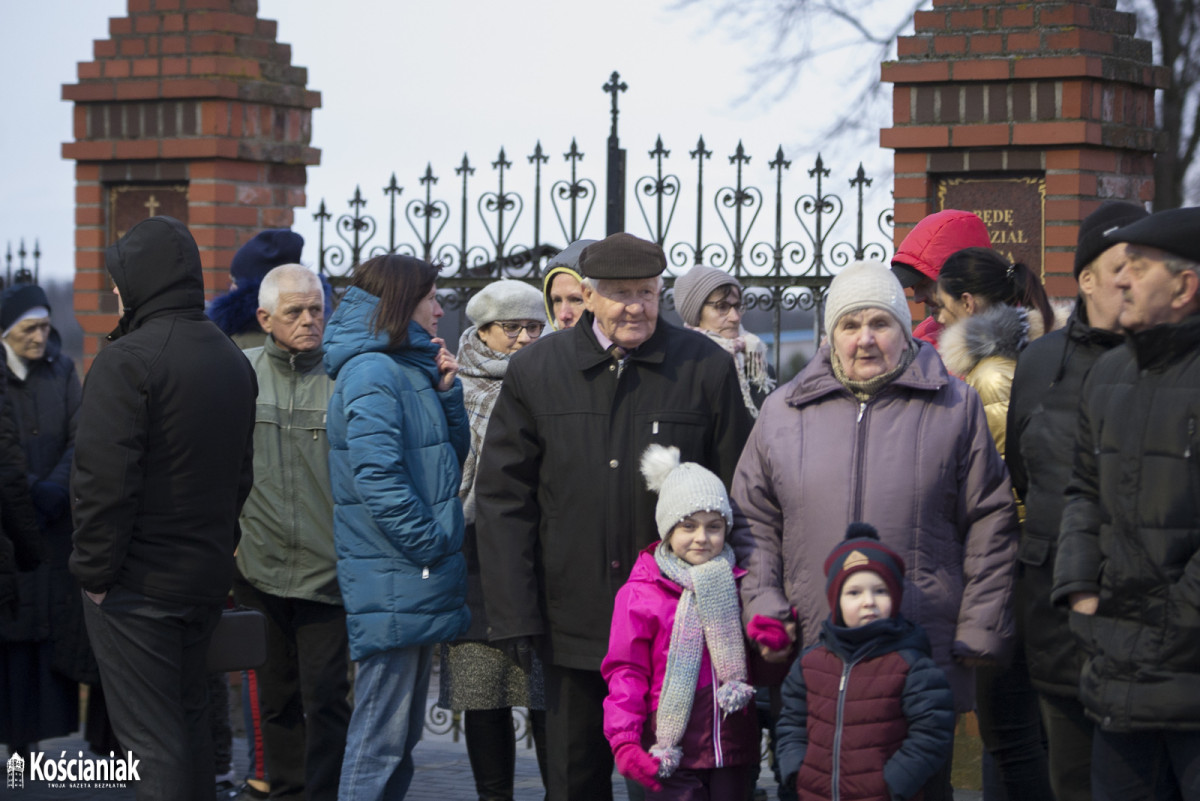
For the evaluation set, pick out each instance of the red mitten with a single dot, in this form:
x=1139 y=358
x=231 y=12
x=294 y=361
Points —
x=769 y=632
x=634 y=763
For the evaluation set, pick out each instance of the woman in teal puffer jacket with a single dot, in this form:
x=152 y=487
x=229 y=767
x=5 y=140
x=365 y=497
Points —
x=398 y=436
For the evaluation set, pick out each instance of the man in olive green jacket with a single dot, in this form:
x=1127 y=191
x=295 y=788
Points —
x=286 y=563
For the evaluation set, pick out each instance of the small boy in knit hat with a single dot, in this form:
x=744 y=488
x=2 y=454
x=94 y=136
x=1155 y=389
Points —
x=678 y=714
x=866 y=707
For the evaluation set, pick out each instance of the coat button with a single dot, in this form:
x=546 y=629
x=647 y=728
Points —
x=612 y=367
x=616 y=565
x=613 y=463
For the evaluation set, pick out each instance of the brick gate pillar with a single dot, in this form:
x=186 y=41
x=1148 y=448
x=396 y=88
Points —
x=190 y=108
x=1028 y=113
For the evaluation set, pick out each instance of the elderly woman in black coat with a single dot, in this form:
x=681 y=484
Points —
x=45 y=652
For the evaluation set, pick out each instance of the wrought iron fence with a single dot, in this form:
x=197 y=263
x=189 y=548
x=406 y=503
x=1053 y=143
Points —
x=786 y=263
x=24 y=274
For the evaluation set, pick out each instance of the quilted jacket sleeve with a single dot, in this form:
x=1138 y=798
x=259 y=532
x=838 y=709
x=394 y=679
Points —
x=987 y=517
x=379 y=462
x=791 y=729
x=1077 y=567
x=756 y=536
x=628 y=667
x=928 y=705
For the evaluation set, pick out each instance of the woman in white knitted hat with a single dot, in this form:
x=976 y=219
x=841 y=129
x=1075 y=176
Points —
x=874 y=428
x=709 y=300
x=477 y=679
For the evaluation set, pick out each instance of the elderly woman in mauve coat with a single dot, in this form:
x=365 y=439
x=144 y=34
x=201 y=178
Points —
x=874 y=429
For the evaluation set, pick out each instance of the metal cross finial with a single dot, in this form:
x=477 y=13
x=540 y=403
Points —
x=613 y=87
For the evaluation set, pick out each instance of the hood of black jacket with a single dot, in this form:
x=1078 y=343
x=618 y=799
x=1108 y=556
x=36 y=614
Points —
x=156 y=267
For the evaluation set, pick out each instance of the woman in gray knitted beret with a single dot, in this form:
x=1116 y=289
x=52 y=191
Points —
x=477 y=679
x=710 y=301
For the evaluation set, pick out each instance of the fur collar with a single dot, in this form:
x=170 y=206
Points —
x=998 y=330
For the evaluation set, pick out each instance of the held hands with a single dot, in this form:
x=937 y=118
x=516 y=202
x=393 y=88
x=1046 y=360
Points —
x=447 y=365
x=634 y=763
x=774 y=637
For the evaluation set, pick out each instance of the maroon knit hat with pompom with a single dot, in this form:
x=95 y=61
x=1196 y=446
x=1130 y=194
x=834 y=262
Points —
x=862 y=550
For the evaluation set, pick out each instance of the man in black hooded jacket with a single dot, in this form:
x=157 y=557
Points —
x=163 y=463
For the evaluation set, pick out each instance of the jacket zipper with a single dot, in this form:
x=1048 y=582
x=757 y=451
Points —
x=837 y=733
x=718 y=752
x=859 y=458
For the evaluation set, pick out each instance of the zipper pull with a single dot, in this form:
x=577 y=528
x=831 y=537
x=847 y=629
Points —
x=1191 y=436
x=862 y=408
x=425 y=572
x=842 y=683
x=654 y=427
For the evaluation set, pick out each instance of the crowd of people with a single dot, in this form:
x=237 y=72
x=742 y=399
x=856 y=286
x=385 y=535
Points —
x=622 y=525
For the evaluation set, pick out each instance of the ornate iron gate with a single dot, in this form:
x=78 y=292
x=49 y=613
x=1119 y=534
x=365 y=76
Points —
x=785 y=270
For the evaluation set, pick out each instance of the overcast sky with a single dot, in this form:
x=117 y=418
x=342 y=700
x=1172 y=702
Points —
x=404 y=83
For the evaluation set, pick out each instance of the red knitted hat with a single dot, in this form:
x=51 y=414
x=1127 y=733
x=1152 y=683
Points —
x=862 y=550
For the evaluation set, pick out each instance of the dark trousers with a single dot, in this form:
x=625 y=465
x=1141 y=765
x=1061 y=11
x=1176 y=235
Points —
x=1146 y=766
x=302 y=690
x=151 y=655
x=1010 y=722
x=714 y=784
x=580 y=760
x=1069 y=739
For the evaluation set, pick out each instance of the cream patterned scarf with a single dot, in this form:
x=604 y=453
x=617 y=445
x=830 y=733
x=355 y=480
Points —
x=707 y=615
x=750 y=355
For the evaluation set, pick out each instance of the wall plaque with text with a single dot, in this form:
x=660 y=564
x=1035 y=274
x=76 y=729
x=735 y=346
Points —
x=1012 y=208
x=129 y=204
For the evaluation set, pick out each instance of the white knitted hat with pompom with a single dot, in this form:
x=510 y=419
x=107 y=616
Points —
x=683 y=489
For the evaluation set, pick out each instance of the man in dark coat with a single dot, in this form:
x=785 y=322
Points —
x=1129 y=545
x=163 y=463
x=562 y=510
x=1043 y=416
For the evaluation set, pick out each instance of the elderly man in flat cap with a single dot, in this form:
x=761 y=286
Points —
x=562 y=510
x=1129 y=544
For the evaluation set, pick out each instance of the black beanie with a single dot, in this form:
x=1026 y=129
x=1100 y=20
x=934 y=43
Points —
x=19 y=299
x=1110 y=216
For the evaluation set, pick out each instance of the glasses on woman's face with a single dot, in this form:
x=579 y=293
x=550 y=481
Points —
x=722 y=307
x=513 y=330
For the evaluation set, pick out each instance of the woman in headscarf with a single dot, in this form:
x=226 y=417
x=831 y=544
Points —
x=874 y=429
x=710 y=301
x=398 y=436
x=476 y=678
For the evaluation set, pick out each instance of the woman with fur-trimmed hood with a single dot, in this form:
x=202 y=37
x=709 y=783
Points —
x=991 y=310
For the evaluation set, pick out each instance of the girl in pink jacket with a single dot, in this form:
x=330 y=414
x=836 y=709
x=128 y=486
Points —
x=678 y=714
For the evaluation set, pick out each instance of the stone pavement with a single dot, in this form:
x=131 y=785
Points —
x=442 y=772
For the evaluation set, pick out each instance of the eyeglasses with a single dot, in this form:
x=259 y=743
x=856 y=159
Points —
x=513 y=330
x=722 y=308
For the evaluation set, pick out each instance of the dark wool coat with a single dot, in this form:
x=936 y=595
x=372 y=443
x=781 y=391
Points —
x=867 y=715
x=1131 y=532
x=45 y=407
x=1043 y=419
x=561 y=507
x=918 y=463
x=164 y=452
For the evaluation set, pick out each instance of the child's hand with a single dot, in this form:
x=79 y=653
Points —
x=634 y=763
